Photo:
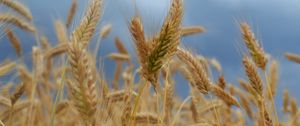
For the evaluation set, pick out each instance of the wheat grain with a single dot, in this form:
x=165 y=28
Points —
x=105 y=30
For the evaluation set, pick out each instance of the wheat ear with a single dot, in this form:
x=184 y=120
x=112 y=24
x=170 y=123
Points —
x=84 y=84
x=84 y=32
x=227 y=98
x=14 y=40
x=293 y=57
x=71 y=13
x=257 y=53
x=16 y=21
x=6 y=67
x=253 y=76
x=185 y=31
x=286 y=101
x=202 y=81
x=18 y=7
x=165 y=45
x=17 y=93
x=61 y=31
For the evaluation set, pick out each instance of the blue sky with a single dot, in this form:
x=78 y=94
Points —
x=276 y=24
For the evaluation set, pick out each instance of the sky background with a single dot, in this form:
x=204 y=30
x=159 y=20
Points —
x=275 y=22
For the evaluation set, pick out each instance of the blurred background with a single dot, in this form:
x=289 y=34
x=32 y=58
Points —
x=276 y=24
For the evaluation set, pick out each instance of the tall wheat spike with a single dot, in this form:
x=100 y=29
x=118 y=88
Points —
x=257 y=53
x=84 y=84
x=165 y=45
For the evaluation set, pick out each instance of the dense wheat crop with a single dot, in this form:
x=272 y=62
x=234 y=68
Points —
x=65 y=85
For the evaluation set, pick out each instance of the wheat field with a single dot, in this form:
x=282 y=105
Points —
x=65 y=86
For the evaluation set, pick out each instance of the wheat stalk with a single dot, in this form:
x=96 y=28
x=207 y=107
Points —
x=273 y=78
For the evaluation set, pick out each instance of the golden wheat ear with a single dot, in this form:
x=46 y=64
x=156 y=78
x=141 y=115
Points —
x=7 y=67
x=16 y=21
x=18 y=7
x=84 y=84
x=15 y=42
x=253 y=76
x=191 y=30
x=164 y=46
x=61 y=32
x=84 y=32
x=71 y=13
x=17 y=93
x=292 y=57
x=226 y=97
x=201 y=79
